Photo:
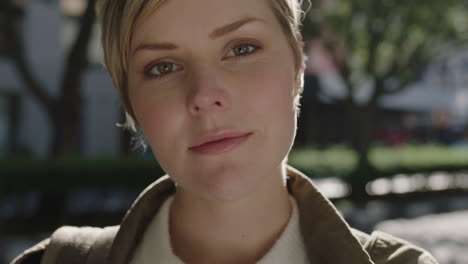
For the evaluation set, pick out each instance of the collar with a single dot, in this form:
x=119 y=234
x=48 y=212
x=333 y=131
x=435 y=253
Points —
x=327 y=237
x=156 y=242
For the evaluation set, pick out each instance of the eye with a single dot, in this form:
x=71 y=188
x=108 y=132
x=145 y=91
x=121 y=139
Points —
x=160 y=69
x=243 y=49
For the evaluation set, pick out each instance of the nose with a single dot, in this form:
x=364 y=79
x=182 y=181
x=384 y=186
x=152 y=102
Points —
x=206 y=95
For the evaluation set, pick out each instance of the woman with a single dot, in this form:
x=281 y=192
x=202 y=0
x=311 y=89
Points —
x=214 y=85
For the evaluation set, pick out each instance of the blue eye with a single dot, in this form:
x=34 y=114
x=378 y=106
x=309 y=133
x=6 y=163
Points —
x=242 y=50
x=160 y=69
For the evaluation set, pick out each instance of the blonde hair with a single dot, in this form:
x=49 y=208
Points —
x=119 y=17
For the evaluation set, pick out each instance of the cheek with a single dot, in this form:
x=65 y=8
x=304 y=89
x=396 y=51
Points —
x=270 y=87
x=272 y=98
x=156 y=116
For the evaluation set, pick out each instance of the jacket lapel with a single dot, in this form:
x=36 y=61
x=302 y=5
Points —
x=137 y=219
x=327 y=237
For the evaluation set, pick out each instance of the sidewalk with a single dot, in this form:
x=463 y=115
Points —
x=444 y=235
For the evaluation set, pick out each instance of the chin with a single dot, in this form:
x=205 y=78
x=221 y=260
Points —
x=228 y=184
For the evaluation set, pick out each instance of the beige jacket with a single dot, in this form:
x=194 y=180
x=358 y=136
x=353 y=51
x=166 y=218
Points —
x=327 y=237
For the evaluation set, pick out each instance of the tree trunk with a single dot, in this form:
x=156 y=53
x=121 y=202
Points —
x=66 y=122
x=66 y=116
x=64 y=111
x=361 y=128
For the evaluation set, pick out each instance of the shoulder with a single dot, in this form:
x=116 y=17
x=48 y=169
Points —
x=32 y=255
x=384 y=248
x=68 y=242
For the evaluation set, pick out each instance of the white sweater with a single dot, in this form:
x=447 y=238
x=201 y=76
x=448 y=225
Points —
x=155 y=246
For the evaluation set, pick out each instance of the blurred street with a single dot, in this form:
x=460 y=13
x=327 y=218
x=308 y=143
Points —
x=444 y=235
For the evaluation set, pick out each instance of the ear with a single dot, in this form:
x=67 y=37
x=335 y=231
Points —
x=304 y=57
x=299 y=89
x=300 y=75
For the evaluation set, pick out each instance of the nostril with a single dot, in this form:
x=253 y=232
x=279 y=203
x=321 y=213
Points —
x=206 y=105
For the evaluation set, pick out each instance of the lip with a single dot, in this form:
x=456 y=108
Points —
x=219 y=142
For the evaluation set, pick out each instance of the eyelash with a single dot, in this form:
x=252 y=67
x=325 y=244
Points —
x=149 y=68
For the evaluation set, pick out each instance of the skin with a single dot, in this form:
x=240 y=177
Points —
x=231 y=207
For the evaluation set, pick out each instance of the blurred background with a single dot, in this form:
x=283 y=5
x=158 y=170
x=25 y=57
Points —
x=383 y=129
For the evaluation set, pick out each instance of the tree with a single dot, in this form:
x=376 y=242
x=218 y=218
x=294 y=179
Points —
x=382 y=46
x=65 y=110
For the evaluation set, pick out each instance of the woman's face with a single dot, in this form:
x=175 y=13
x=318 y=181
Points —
x=207 y=68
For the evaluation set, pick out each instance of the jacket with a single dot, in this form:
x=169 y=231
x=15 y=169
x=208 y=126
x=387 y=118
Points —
x=327 y=237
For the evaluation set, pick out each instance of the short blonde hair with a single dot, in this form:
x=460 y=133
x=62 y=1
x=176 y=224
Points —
x=119 y=17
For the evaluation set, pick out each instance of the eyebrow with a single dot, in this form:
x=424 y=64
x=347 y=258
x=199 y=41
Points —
x=217 y=33
x=229 y=28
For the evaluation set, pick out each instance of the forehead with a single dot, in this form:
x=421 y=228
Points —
x=176 y=18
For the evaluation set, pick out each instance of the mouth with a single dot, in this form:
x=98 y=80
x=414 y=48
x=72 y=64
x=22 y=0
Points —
x=220 y=143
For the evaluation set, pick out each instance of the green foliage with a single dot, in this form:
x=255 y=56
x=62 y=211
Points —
x=334 y=161
x=377 y=41
x=64 y=174
x=340 y=161
x=423 y=157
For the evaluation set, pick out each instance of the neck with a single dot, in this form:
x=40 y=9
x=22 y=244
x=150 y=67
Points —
x=241 y=231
